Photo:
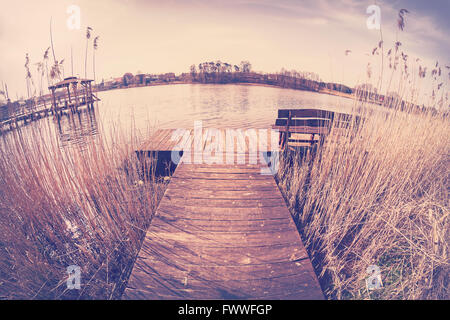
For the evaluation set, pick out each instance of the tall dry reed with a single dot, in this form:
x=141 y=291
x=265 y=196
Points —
x=62 y=206
x=377 y=194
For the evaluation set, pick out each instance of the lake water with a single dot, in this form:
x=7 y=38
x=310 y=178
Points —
x=178 y=106
x=219 y=106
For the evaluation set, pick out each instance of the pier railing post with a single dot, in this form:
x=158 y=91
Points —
x=76 y=95
x=53 y=101
x=70 y=100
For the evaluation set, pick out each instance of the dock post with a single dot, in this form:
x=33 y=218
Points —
x=91 y=100
x=86 y=94
x=76 y=95
x=53 y=101
x=68 y=93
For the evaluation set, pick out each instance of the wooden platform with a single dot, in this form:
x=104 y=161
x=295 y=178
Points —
x=213 y=144
x=43 y=111
x=60 y=103
x=222 y=231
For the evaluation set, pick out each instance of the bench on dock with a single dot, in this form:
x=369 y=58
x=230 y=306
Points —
x=308 y=127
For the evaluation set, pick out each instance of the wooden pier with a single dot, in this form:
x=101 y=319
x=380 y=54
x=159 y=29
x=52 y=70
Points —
x=75 y=93
x=222 y=230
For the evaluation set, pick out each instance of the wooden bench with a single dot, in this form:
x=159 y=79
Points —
x=308 y=127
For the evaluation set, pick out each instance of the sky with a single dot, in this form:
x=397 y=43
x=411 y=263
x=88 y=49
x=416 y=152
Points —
x=169 y=36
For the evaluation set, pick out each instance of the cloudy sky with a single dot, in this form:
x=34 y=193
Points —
x=169 y=36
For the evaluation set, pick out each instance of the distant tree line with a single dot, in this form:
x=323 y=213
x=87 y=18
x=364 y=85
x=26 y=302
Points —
x=224 y=72
x=218 y=72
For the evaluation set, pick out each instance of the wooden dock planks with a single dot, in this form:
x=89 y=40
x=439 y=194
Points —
x=221 y=231
x=41 y=111
x=245 y=141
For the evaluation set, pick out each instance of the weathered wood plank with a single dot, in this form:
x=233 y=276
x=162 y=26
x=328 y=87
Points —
x=188 y=286
x=223 y=255
x=304 y=137
x=154 y=141
x=214 y=213
x=173 y=275
x=222 y=194
x=220 y=182
x=165 y=137
x=222 y=176
x=303 y=122
x=219 y=225
x=215 y=270
x=172 y=140
x=173 y=234
x=208 y=140
x=190 y=202
x=222 y=231
x=303 y=129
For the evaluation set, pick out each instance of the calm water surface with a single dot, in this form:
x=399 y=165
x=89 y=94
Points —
x=178 y=106
x=219 y=106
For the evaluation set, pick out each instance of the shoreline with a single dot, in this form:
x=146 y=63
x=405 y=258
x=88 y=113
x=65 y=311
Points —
x=321 y=91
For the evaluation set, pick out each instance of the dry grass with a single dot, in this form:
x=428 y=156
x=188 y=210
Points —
x=377 y=195
x=69 y=206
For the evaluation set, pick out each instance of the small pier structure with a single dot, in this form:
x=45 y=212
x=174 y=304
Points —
x=66 y=96
x=222 y=229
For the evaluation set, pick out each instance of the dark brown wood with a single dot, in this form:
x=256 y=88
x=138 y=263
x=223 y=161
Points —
x=310 y=121
x=318 y=114
x=302 y=129
x=68 y=94
x=307 y=113
x=302 y=122
x=53 y=100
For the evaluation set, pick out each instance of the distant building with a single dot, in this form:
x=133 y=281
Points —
x=9 y=109
x=149 y=78
x=167 y=77
x=128 y=79
x=139 y=79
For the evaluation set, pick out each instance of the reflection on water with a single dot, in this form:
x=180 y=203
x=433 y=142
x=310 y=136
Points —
x=219 y=106
x=77 y=128
x=178 y=106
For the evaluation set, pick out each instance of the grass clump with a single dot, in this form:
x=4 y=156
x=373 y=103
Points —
x=60 y=206
x=377 y=194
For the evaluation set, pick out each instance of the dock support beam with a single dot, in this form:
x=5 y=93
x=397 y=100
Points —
x=53 y=101
x=76 y=96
